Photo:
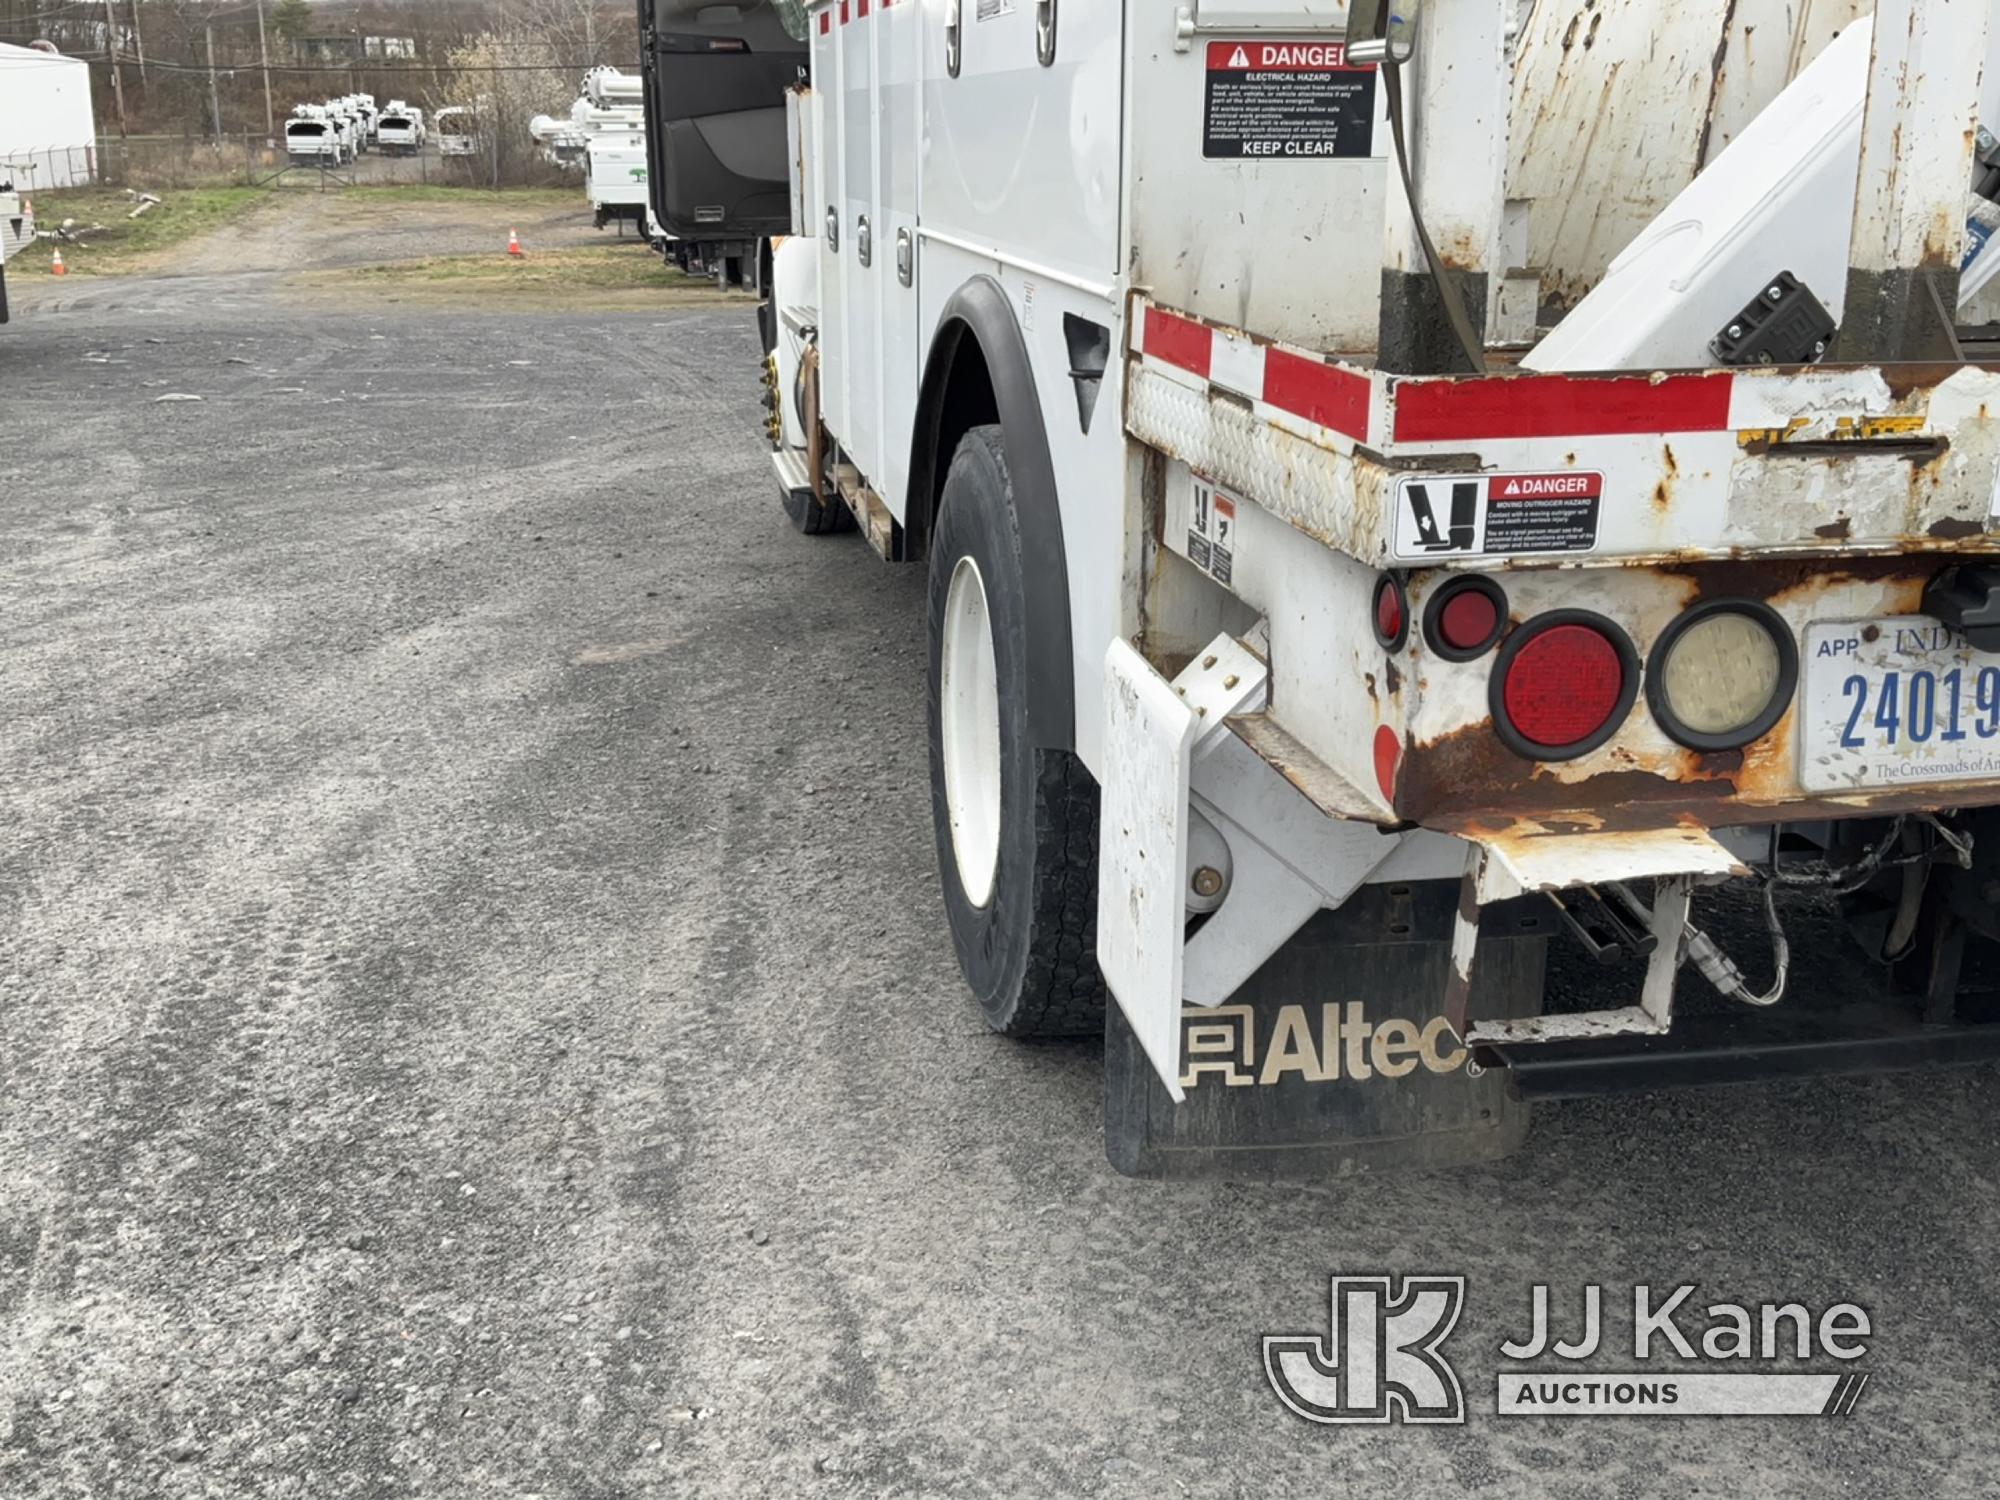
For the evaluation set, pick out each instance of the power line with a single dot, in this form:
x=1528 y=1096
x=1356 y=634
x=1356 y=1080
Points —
x=359 y=66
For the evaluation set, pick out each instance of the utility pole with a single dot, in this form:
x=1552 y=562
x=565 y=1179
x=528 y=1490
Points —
x=264 y=58
x=139 y=43
x=214 y=98
x=117 y=78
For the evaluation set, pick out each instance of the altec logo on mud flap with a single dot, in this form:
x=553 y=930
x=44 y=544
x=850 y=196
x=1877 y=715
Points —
x=1382 y=1360
x=1312 y=1044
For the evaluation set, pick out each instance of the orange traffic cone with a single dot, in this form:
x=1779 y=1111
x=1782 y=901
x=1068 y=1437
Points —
x=57 y=268
x=514 y=244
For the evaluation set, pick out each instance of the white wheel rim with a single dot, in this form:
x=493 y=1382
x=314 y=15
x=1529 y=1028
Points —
x=969 y=710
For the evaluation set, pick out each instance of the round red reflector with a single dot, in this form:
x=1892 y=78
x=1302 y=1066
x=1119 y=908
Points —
x=1563 y=685
x=1389 y=613
x=1468 y=619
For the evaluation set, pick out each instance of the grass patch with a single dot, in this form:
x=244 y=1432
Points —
x=539 y=277
x=444 y=192
x=181 y=214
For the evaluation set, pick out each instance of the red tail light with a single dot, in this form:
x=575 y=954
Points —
x=1465 y=618
x=1392 y=615
x=1562 y=685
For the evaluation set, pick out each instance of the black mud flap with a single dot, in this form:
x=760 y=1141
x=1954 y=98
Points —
x=1336 y=1058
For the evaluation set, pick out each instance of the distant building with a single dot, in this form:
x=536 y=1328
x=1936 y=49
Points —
x=333 y=49
x=349 y=49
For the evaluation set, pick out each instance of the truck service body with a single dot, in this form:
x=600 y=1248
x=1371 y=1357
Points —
x=399 y=130
x=611 y=117
x=1315 y=632
x=314 y=136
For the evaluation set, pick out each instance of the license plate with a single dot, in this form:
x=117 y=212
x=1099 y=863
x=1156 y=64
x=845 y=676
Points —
x=1902 y=701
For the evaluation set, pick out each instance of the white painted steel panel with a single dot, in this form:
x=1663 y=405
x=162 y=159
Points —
x=1142 y=860
x=860 y=356
x=898 y=39
x=1618 y=103
x=1020 y=156
x=1780 y=199
x=1290 y=249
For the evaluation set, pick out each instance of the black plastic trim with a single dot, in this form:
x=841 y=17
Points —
x=1781 y=697
x=1477 y=583
x=1741 y=1047
x=980 y=311
x=1401 y=638
x=1628 y=658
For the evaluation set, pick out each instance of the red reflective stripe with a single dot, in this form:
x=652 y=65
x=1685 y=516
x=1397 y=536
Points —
x=1177 y=341
x=843 y=12
x=861 y=9
x=1308 y=388
x=825 y=22
x=1559 y=406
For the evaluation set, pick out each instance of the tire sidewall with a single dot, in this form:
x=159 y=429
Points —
x=977 y=520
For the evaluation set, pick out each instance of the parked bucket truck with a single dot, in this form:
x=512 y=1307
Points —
x=1347 y=577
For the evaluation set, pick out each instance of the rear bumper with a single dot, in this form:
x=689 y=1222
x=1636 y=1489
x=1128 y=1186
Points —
x=1743 y=1047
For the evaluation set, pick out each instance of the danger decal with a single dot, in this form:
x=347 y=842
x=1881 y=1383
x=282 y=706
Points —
x=1508 y=515
x=1287 y=101
x=1211 y=538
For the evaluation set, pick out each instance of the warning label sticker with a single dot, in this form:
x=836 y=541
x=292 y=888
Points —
x=1287 y=100
x=1211 y=537
x=1445 y=515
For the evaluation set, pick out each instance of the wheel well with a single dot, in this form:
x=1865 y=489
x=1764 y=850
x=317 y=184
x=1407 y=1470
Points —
x=978 y=371
x=962 y=399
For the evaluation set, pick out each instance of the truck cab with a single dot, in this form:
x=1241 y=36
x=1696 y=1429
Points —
x=719 y=169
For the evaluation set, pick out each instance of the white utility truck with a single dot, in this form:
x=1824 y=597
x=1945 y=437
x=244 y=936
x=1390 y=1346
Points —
x=458 y=130
x=313 y=137
x=399 y=131
x=1350 y=573
x=611 y=117
x=17 y=230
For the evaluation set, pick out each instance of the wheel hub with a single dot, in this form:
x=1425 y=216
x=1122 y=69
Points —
x=969 y=711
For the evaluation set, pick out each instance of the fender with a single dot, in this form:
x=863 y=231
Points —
x=980 y=315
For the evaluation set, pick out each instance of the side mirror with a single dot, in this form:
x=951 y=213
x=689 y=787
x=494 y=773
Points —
x=1378 y=30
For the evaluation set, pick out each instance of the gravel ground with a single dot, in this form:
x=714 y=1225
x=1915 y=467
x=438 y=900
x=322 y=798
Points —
x=475 y=1017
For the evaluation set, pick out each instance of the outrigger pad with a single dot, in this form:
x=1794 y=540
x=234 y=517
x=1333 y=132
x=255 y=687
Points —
x=1336 y=1058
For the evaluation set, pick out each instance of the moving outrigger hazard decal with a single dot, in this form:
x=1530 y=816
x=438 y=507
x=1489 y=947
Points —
x=1287 y=101
x=1441 y=516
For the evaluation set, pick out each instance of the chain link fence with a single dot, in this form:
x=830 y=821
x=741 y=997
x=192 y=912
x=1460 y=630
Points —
x=153 y=163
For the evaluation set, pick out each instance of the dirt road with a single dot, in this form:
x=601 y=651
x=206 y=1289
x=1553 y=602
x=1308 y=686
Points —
x=475 y=1020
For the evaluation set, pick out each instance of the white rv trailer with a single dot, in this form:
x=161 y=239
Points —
x=1311 y=636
